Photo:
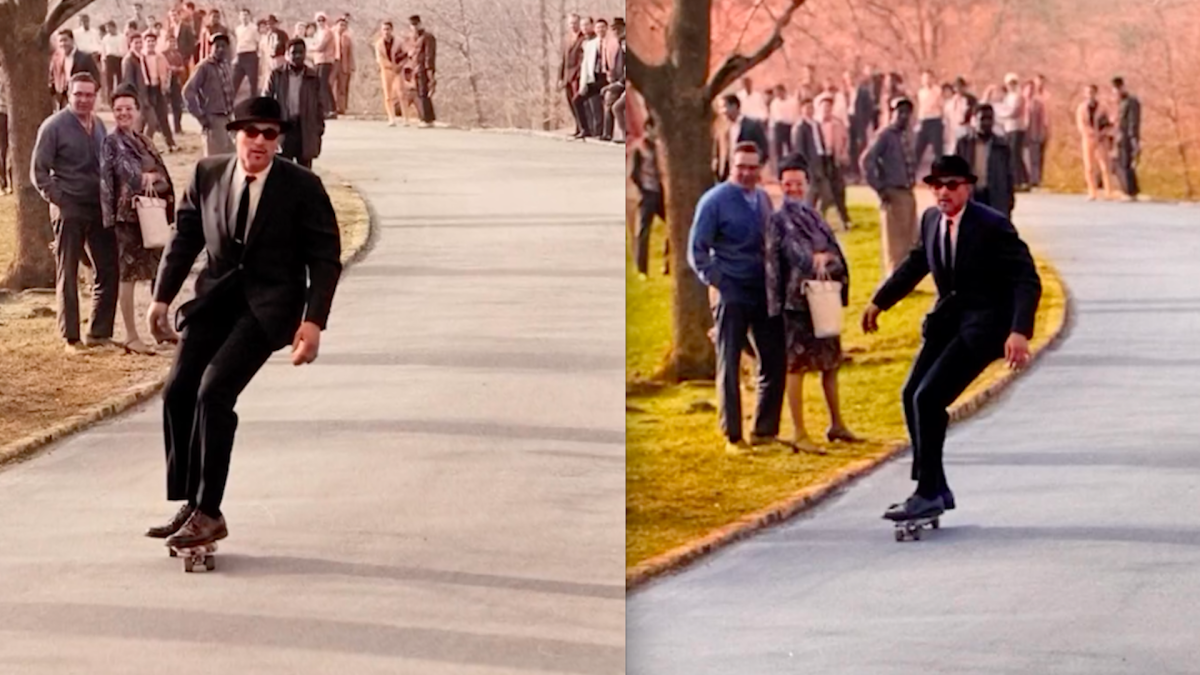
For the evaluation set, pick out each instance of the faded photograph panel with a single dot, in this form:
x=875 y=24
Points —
x=310 y=333
x=888 y=331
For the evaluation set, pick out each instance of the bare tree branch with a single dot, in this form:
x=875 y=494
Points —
x=648 y=79
x=737 y=65
x=63 y=11
x=746 y=25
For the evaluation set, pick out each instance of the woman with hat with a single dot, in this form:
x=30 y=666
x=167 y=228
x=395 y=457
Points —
x=801 y=247
x=130 y=166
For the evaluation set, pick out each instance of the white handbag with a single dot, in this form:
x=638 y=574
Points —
x=825 y=306
x=152 y=217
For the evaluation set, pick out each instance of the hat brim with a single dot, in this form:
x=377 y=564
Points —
x=236 y=125
x=930 y=179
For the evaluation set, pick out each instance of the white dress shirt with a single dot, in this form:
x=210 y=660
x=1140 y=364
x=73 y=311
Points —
x=235 y=194
x=114 y=45
x=591 y=55
x=785 y=110
x=88 y=41
x=247 y=39
x=754 y=105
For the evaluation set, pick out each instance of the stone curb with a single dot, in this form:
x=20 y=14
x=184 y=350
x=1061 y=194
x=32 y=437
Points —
x=809 y=497
x=27 y=447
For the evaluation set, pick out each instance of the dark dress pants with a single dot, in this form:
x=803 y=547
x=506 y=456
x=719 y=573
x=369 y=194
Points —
x=425 y=98
x=1020 y=169
x=158 y=110
x=650 y=206
x=1037 y=156
x=325 y=76
x=734 y=322
x=931 y=134
x=941 y=372
x=1125 y=170
x=292 y=146
x=220 y=351
x=73 y=235
x=246 y=67
x=175 y=94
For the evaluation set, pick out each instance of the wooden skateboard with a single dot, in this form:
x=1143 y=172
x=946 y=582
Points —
x=911 y=529
x=196 y=555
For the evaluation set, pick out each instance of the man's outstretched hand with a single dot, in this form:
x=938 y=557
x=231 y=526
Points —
x=870 y=319
x=1016 y=351
x=306 y=344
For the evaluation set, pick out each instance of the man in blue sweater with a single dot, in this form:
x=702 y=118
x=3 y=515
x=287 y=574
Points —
x=725 y=249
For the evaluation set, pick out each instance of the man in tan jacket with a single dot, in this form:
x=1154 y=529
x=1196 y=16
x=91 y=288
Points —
x=344 y=66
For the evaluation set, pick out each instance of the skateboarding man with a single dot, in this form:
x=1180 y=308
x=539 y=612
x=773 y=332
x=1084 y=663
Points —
x=988 y=293
x=271 y=239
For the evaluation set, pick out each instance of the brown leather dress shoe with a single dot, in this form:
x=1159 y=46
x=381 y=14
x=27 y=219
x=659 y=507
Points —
x=199 y=530
x=172 y=526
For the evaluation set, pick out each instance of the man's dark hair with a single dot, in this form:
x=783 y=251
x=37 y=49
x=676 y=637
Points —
x=795 y=162
x=295 y=41
x=261 y=22
x=415 y=19
x=190 y=5
x=131 y=24
x=67 y=32
x=389 y=24
x=732 y=99
x=602 y=21
x=746 y=146
x=1118 y=82
x=985 y=107
x=83 y=77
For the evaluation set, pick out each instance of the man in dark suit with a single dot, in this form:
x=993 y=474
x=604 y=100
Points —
x=736 y=128
x=273 y=249
x=1129 y=138
x=297 y=88
x=822 y=142
x=66 y=61
x=990 y=158
x=988 y=293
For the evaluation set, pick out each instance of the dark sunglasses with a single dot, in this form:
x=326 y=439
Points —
x=948 y=184
x=270 y=133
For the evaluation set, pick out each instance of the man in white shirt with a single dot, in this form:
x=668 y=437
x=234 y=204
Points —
x=754 y=104
x=1011 y=114
x=156 y=73
x=784 y=113
x=930 y=108
x=590 y=82
x=87 y=38
x=113 y=47
x=246 y=37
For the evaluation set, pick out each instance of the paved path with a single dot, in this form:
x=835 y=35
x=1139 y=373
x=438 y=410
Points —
x=1076 y=544
x=442 y=492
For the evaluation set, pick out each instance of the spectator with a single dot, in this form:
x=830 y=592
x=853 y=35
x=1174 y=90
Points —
x=733 y=129
x=297 y=88
x=388 y=54
x=930 y=108
x=1128 y=138
x=66 y=172
x=324 y=58
x=1088 y=120
x=424 y=59
x=615 y=90
x=114 y=47
x=570 y=68
x=65 y=63
x=129 y=167
x=646 y=175
x=800 y=247
x=158 y=89
x=177 y=66
x=725 y=250
x=209 y=96
x=246 y=64
x=88 y=39
x=589 y=84
x=889 y=167
x=989 y=157
x=344 y=66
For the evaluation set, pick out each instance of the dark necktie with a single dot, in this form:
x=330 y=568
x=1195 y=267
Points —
x=243 y=212
x=948 y=246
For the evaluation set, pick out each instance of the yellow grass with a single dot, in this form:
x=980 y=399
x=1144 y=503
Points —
x=680 y=483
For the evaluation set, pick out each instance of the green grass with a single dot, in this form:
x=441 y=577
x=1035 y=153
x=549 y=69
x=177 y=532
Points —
x=680 y=483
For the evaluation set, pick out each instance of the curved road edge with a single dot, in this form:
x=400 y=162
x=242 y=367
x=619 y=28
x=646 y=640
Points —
x=812 y=496
x=27 y=448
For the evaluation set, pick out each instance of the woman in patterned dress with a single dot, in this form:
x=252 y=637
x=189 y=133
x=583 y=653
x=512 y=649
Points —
x=131 y=166
x=800 y=246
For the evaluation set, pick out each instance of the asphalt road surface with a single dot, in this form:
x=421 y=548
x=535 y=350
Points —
x=1075 y=547
x=442 y=492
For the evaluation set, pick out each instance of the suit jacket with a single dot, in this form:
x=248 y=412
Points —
x=992 y=291
x=424 y=54
x=287 y=270
x=751 y=130
x=864 y=114
x=387 y=59
x=132 y=74
x=344 y=44
x=1000 y=189
x=312 y=111
x=1129 y=121
x=80 y=63
x=572 y=63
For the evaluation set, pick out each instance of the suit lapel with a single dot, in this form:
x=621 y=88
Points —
x=265 y=202
x=933 y=245
x=224 y=189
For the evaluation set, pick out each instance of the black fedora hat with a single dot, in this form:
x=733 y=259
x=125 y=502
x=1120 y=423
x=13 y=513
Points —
x=950 y=166
x=261 y=109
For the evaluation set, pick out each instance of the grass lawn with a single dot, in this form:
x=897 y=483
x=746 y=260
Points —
x=41 y=385
x=680 y=483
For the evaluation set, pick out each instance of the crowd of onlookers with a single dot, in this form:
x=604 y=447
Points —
x=592 y=73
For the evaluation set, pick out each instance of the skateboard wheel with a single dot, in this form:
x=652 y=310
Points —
x=188 y=565
x=937 y=523
x=899 y=535
x=917 y=534
x=171 y=552
x=210 y=563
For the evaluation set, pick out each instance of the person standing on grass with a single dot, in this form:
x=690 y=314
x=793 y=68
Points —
x=988 y=292
x=725 y=250
x=889 y=167
x=66 y=171
x=646 y=175
x=801 y=247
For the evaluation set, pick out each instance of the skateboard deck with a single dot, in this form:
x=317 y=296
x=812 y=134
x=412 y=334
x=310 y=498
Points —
x=911 y=529
x=196 y=555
